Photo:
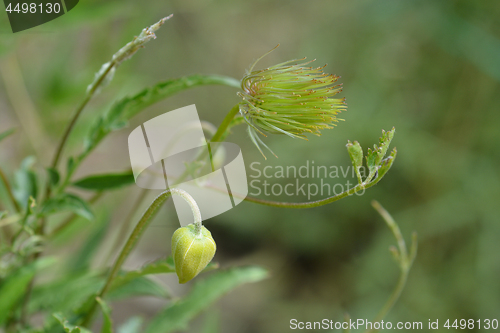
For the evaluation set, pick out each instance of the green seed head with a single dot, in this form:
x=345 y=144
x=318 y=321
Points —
x=290 y=98
x=192 y=251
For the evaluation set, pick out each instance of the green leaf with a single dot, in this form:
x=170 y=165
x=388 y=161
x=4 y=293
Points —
x=384 y=143
x=14 y=287
x=68 y=328
x=158 y=267
x=139 y=286
x=105 y=181
x=212 y=322
x=67 y=202
x=123 y=110
x=386 y=164
x=54 y=176
x=64 y=323
x=81 y=259
x=356 y=153
x=71 y=165
x=26 y=184
x=374 y=157
x=6 y=133
x=132 y=325
x=177 y=315
x=107 y=326
x=67 y=292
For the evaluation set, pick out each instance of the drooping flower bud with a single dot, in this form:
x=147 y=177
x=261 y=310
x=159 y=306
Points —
x=290 y=99
x=192 y=251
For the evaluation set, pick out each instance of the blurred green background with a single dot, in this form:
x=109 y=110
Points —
x=429 y=68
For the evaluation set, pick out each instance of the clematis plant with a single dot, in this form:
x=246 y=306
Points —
x=290 y=98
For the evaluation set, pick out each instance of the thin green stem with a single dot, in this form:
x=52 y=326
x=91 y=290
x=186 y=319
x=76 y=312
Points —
x=194 y=208
x=404 y=258
x=23 y=226
x=68 y=130
x=139 y=229
x=393 y=226
x=221 y=131
x=392 y=299
x=9 y=191
x=128 y=221
x=312 y=204
x=77 y=114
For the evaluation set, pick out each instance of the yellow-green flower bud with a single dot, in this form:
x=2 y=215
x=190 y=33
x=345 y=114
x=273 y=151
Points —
x=192 y=251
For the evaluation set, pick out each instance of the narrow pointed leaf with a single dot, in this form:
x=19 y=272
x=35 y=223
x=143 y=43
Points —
x=164 y=266
x=107 y=326
x=385 y=165
x=177 y=315
x=139 y=286
x=105 y=181
x=54 y=176
x=126 y=108
x=26 y=183
x=13 y=288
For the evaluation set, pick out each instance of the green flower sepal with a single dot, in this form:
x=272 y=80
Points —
x=192 y=250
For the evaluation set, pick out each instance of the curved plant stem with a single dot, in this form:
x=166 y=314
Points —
x=139 y=229
x=404 y=258
x=392 y=299
x=210 y=129
x=316 y=203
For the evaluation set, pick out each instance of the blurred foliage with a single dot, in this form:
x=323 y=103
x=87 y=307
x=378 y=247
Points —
x=429 y=68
